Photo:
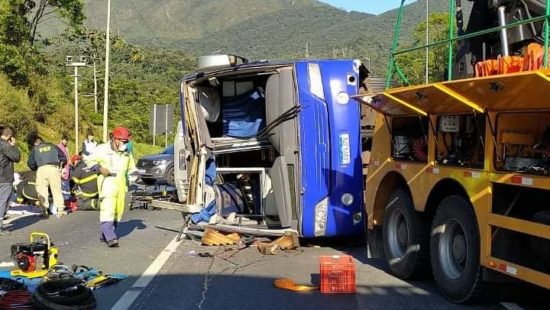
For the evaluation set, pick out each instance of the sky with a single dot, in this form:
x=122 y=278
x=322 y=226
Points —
x=368 y=6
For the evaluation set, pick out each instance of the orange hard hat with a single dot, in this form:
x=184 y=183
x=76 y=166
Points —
x=121 y=133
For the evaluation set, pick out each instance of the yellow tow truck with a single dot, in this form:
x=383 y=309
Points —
x=458 y=180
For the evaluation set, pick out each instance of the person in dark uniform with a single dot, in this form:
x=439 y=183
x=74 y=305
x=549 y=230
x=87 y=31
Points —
x=26 y=188
x=47 y=159
x=9 y=154
x=84 y=182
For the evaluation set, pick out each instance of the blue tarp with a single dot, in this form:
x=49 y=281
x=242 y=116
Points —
x=244 y=115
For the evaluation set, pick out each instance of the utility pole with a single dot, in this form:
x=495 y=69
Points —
x=71 y=62
x=166 y=126
x=427 y=73
x=106 y=88
x=154 y=124
x=95 y=88
x=307 y=50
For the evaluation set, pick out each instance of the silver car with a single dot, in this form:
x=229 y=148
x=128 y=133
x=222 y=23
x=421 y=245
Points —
x=157 y=168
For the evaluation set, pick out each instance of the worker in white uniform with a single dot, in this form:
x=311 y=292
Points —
x=115 y=166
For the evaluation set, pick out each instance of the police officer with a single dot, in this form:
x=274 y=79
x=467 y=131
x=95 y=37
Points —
x=115 y=165
x=47 y=159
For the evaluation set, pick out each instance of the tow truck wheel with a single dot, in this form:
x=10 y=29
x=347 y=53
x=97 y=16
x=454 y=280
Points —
x=405 y=237
x=454 y=248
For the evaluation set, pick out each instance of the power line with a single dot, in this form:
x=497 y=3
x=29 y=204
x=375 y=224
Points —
x=146 y=24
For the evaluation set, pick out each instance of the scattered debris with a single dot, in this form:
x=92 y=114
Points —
x=253 y=231
x=289 y=284
x=287 y=242
x=215 y=238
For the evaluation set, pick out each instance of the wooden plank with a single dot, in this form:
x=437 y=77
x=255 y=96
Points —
x=176 y=206
x=253 y=231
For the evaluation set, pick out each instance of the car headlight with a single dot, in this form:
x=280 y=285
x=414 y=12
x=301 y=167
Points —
x=321 y=212
x=159 y=162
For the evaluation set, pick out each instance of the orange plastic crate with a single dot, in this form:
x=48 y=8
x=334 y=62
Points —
x=337 y=274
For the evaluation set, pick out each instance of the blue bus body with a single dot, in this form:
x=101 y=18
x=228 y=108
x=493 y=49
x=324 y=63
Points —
x=304 y=154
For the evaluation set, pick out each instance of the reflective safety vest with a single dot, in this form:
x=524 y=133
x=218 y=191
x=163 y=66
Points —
x=85 y=181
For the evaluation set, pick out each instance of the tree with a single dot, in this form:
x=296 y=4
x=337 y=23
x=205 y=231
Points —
x=15 y=52
x=413 y=63
x=70 y=11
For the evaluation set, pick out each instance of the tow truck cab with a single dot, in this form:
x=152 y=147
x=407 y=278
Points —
x=273 y=145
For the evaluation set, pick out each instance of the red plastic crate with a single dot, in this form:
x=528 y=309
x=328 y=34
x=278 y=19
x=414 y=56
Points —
x=337 y=274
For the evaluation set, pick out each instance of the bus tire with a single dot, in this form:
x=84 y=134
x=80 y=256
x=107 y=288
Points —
x=405 y=238
x=455 y=251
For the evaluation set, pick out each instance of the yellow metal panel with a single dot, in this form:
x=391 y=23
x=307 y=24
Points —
x=435 y=99
x=384 y=105
x=521 y=226
x=517 y=271
x=406 y=104
x=527 y=180
x=509 y=92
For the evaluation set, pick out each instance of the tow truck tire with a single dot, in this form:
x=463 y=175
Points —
x=405 y=238
x=455 y=251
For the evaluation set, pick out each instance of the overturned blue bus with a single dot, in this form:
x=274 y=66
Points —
x=272 y=146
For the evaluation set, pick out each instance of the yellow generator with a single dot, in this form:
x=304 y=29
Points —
x=34 y=259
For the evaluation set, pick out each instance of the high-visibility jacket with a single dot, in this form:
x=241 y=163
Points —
x=84 y=180
x=26 y=189
x=113 y=188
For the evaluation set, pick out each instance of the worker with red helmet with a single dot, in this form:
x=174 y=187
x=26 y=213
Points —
x=115 y=166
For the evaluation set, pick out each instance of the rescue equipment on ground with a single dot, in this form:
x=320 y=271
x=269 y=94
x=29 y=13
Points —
x=69 y=293
x=35 y=258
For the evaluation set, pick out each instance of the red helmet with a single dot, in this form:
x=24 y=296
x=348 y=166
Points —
x=75 y=158
x=121 y=133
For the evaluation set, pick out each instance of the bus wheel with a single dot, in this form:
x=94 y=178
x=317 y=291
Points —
x=405 y=237
x=454 y=248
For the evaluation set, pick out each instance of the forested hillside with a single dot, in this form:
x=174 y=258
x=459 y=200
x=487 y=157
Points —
x=256 y=29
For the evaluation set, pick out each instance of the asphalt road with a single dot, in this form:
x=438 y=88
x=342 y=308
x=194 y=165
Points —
x=230 y=278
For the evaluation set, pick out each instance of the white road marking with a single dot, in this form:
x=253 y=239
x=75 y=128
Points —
x=510 y=306
x=146 y=277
